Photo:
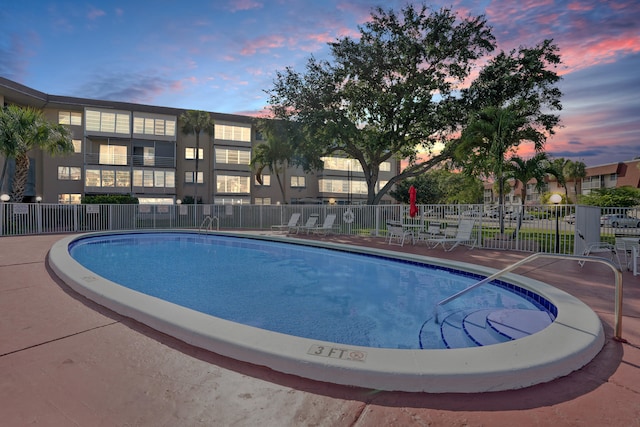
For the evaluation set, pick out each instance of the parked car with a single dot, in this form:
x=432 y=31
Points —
x=514 y=215
x=619 y=220
x=571 y=219
x=492 y=213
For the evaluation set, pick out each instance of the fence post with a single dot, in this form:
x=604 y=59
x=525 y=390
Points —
x=39 y=217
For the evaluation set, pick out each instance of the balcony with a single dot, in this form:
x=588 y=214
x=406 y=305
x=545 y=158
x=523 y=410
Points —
x=133 y=160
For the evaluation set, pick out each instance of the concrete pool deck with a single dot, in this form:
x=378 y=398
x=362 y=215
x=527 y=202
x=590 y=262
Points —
x=67 y=361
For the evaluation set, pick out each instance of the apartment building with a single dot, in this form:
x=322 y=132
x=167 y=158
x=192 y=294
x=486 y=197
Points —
x=126 y=148
x=611 y=175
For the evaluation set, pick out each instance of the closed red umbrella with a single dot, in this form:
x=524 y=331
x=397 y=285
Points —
x=413 y=209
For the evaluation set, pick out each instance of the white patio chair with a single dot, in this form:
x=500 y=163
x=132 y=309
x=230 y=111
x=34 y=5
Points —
x=290 y=226
x=397 y=232
x=464 y=235
x=327 y=225
x=433 y=231
x=309 y=225
x=599 y=249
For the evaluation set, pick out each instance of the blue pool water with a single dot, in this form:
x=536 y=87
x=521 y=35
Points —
x=294 y=289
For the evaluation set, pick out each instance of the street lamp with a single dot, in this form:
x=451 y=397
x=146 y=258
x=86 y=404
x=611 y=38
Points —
x=556 y=199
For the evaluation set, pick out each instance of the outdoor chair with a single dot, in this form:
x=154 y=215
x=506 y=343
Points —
x=397 y=232
x=290 y=226
x=598 y=249
x=327 y=226
x=463 y=236
x=433 y=231
x=309 y=225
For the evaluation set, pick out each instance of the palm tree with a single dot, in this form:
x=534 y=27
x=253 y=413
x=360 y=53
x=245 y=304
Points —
x=537 y=167
x=23 y=129
x=487 y=139
x=194 y=123
x=275 y=154
x=575 y=171
x=559 y=166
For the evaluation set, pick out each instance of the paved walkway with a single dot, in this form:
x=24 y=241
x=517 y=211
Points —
x=64 y=361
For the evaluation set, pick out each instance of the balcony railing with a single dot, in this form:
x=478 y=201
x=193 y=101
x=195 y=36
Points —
x=132 y=160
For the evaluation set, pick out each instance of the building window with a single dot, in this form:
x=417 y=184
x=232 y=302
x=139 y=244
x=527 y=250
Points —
x=156 y=201
x=148 y=156
x=349 y=165
x=108 y=121
x=92 y=178
x=233 y=133
x=107 y=178
x=190 y=153
x=231 y=201
x=123 y=179
x=154 y=126
x=342 y=186
x=113 y=155
x=158 y=179
x=189 y=177
x=613 y=177
x=263 y=200
x=232 y=184
x=266 y=180
x=69 y=173
x=77 y=145
x=69 y=199
x=230 y=156
x=70 y=118
x=298 y=181
x=154 y=178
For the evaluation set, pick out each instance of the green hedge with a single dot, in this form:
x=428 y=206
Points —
x=110 y=199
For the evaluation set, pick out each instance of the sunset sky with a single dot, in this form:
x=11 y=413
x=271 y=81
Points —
x=221 y=55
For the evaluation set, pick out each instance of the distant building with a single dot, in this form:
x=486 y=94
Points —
x=611 y=175
x=126 y=148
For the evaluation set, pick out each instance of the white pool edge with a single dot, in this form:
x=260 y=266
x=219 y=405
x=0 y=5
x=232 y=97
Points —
x=569 y=343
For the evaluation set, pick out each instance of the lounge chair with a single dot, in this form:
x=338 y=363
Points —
x=433 y=231
x=463 y=236
x=397 y=232
x=309 y=225
x=327 y=225
x=599 y=249
x=291 y=225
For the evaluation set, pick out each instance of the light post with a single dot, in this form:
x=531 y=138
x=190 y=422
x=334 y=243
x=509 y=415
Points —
x=556 y=199
x=39 y=208
x=4 y=198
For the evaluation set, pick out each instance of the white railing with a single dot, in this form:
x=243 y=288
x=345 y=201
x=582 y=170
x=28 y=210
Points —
x=539 y=226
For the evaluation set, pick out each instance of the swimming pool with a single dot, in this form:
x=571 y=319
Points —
x=326 y=358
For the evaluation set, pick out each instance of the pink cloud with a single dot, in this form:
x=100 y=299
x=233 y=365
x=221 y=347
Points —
x=239 y=5
x=583 y=54
x=262 y=44
x=95 y=13
x=579 y=7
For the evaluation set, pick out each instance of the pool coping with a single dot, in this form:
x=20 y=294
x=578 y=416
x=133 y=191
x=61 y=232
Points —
x=570 y=342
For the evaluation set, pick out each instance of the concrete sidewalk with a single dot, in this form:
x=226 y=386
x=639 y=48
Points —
x=65 y=361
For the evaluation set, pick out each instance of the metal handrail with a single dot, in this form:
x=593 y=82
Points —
x=207 y=223
x=617 y=272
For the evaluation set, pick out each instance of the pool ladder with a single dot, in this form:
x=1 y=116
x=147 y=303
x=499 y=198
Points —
x=617 y=272
x=207 y=223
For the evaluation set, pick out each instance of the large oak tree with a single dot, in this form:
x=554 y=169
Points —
x=391 y=94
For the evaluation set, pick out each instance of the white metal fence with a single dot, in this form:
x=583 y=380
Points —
x=536 y=229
